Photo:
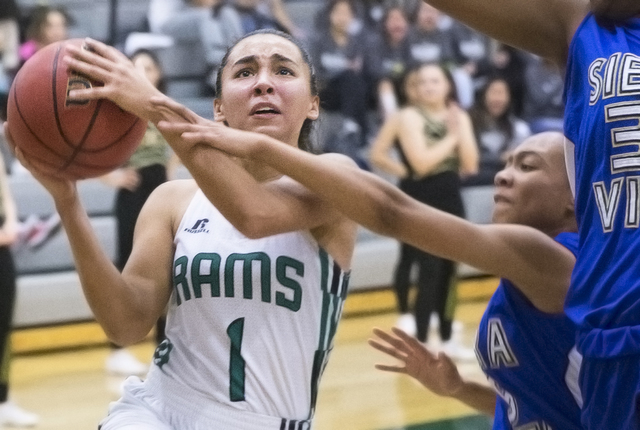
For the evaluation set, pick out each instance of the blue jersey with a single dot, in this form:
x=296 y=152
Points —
x=525 y=353
x=602 y=95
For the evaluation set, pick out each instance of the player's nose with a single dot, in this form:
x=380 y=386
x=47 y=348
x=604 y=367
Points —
x=503 y=177
x=264 y=83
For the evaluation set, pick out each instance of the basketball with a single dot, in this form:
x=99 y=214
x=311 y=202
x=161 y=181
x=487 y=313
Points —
x=67 y=138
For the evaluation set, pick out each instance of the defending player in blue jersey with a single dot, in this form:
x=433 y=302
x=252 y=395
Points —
x=524 y=340
x=599 y=43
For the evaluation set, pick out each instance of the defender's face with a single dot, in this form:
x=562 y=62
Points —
x=616 y=9
x=266 y=88
x=533 y=188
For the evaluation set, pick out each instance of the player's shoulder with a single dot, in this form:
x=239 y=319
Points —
x=174 y=195
x=177 y=187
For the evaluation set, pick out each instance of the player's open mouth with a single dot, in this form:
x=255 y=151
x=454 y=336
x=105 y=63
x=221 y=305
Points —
x=265 y=110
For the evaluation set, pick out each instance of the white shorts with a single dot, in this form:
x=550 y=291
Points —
x=140 y=408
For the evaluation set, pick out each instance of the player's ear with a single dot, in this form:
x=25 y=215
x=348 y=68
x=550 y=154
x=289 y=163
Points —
x=218 y=111
x=314 y=108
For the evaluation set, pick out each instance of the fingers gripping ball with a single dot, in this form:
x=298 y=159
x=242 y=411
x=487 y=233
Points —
x=67 y=138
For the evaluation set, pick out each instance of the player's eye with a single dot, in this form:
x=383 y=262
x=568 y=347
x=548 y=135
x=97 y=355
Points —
x=243 y=73
x=285 y=71
x=525 y=167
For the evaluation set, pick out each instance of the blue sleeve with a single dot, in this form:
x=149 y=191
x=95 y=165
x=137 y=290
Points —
x=569 y=241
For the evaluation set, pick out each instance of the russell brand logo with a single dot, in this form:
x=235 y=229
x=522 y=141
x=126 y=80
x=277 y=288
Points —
x=198 y=227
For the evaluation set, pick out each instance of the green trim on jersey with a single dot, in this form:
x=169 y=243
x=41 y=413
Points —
x=333 y=297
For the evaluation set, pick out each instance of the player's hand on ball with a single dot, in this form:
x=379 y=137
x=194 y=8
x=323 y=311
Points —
x=436 y=372
x=59 y=188
x=123 y=84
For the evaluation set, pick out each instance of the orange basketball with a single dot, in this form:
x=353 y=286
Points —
x=66 y=138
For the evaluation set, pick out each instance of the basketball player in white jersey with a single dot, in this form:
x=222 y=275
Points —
x=253 y=266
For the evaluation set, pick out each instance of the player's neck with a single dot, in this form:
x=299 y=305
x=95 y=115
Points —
x=261 y=172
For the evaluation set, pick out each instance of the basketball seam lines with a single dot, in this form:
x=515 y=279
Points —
x=24 y=120
x=78 y=148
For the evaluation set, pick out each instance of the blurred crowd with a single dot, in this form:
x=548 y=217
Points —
x=361 y=50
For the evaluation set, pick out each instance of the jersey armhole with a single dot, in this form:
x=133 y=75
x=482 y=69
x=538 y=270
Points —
x=570 y=163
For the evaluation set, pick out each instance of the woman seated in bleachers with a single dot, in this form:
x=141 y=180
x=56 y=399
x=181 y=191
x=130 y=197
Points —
x=213 y=24
x=338 y=55
x=496 y=128
x=388 y=58
x=46 y=25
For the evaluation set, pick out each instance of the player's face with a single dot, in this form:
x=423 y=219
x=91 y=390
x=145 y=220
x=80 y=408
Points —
x=266 y=88
x=533 y=188
x=616 y=9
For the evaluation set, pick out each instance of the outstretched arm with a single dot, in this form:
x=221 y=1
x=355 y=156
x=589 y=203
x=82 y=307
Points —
x=436 y=372
x=521 y=254
x=544 y=27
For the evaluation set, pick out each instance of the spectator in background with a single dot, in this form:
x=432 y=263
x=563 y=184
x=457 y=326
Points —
x=471 y=48
x=10 y=413
x=385 y=150
x=428 y=41
x=149 y=167
x=437 y=146
x=372 y=12
x=543 y=103
x=387 y=59
x=47 y=25
x=9 y=43
x=338 y=59
x=253 y=18
x=508 y=63
x=431 y=41
x=276 y=11
x=211 y=23
x=496 y=129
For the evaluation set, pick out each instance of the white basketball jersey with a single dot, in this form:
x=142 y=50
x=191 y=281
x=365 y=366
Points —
x=251 y=321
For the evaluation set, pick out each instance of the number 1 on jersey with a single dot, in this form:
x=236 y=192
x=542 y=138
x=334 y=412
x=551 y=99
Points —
x=236 y=362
